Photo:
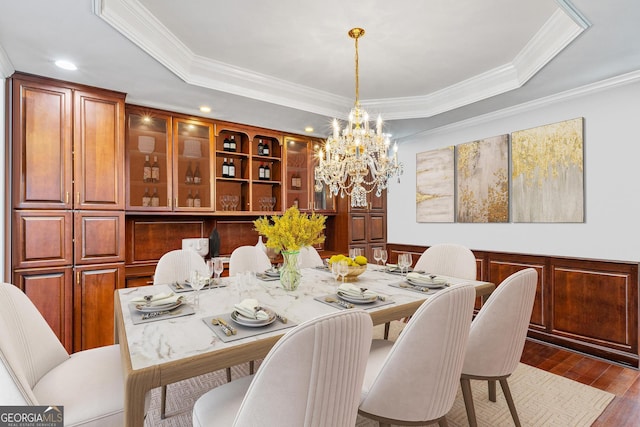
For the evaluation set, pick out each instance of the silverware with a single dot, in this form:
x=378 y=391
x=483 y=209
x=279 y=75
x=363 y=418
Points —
x=225 y=329
x=231 y=328
x=178 y=285
x=153 y=314
x=339 y=302
x=281 y=318
x=409 y=286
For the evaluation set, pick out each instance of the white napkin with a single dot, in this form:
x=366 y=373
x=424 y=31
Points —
x=355 y=291
x=419 y=278
x=248 y=309
x=158 y=299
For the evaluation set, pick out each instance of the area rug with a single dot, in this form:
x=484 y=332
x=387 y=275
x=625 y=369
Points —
x=542 y=400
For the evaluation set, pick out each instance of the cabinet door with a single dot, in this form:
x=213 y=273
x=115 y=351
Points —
x=377 y=227
x=192 y=165
x=266 y=190
x=50 y=290
x=42 y=238
x=99 y=151
x=148 y=166
x=99 y=237
x=42 y=158
x=297 y=182
x=93 y=304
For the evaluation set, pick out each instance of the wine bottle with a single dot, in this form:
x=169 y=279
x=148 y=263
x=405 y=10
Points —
x=265 y=148
x=196 y=200
x=232 y=143
x=155 y=199
x=155 y=170
x=146 y=198
x=146 y=169
x=232 y=169
x=197 y=177
x=225 y=168
x=261 y=171
x=188 y=178
x=189 y=200
x=267 y=172
x=260 y=148
x=225 y=144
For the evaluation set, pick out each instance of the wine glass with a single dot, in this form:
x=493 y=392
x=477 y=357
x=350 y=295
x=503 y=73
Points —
x=197 y=280
x=404 y=262
x=218 y=268
x=383 y=257
x=335 y=269
x=377 y=255
x=343 y=269
x=210 y=268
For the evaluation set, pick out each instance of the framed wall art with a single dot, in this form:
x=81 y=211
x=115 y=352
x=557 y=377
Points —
x=435 y=185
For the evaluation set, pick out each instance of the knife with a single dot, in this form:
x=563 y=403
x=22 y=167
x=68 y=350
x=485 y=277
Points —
x=226 y=325
x=151 y=315
x=226 y=330
x=281 y=318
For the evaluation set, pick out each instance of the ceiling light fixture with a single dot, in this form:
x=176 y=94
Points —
x=308 y=129
x=205 y=109
x=356 y=161
x=66 y=65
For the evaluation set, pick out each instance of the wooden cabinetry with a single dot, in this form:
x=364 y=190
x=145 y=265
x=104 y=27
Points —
x=300 y=182
x=68 y=196
x=366 y=227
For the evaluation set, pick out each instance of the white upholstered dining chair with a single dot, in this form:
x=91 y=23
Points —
x=309 y=257
x=497 y=338
x=89 y=384
x=248 y=258
x=176 y=265
x=311 y=377
x=448 y=259
x=414 y=380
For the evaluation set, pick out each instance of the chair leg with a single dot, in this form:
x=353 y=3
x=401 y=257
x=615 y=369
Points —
x=468 y=401
x=512 y=406
x=251 y=367
x=386 y=330
x=163 y=402
x=228 y=375
x=492 y=390
x=442 y=422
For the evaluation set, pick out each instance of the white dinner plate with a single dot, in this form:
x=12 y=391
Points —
x=428 y=283
x=272 y=273
x=253 y=323
x=143 y=308
x=357 y=299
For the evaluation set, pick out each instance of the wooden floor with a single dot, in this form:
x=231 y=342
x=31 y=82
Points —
x=623 y=411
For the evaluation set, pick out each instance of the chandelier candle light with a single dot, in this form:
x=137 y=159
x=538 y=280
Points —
x=357 y=161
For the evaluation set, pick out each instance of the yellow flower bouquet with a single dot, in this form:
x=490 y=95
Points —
x=287 y=234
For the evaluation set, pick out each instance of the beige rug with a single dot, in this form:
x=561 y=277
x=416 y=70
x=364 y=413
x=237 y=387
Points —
x=542 y=399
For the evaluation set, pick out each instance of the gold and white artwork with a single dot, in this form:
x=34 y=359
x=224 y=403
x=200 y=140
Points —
x=435 y=185
x=482 y=169
x=548 y=173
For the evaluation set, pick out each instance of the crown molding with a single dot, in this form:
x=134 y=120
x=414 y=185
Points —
x=611 y=83
x=135 y=22
x=6 y=67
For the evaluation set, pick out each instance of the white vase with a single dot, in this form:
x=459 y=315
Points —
x=260 y=245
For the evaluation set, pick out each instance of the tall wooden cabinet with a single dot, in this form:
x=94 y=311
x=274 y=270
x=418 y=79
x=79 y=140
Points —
x=364 y=227
x=67 y=184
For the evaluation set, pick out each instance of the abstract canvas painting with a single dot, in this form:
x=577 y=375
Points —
x=547 y=173
x=435 y=185
x=482 y=169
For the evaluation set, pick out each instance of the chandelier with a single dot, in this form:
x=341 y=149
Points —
x=356 y=160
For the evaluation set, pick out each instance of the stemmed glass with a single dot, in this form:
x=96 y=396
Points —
x=343 y=269
x=404 y=262
x=377 y=255
x=210 y=268
x=383 y=257
x=218 y=268
x=197 y=280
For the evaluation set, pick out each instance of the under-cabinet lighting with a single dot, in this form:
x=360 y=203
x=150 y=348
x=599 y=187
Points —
x=66 y=65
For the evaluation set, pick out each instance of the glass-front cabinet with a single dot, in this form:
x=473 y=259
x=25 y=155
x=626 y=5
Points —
x=169 y=163
x=302 y=157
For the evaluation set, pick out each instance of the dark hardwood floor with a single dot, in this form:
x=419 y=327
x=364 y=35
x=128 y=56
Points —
x=624 y=409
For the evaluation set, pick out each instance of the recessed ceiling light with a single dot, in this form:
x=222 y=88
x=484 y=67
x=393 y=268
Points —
x=308 y=129
x=66 y=65
x=205 y=109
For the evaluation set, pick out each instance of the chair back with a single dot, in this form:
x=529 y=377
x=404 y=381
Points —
x=248 y=258
x=175 y=266
x=28 y=346
x=313 y=375
x=309 y=257
x=419 y=378
x=498 y=332
x=448 y=259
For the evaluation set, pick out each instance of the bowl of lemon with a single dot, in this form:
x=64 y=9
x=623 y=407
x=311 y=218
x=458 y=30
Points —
x=356 y=266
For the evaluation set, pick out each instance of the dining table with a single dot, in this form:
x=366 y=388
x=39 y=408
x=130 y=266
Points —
x=188 y=341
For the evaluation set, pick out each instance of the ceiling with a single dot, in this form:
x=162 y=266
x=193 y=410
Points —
x=288 y=64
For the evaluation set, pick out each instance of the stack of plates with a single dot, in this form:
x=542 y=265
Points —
x=359 y=299
x=251 y=322
x=432 y=283
x=144 y=308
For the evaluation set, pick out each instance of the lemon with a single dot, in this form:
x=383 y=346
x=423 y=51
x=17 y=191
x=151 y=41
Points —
x=360 y=260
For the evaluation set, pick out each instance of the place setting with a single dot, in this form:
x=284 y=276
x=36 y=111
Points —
x=249 y=318
x=269 y=275
x=424 y=283
x=349 y=295
x=149 y=308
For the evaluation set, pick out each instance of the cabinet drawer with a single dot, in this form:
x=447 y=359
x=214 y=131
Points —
x=42 y=238
x=99 y=237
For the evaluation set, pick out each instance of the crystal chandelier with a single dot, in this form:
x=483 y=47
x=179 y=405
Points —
x=356 y=160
